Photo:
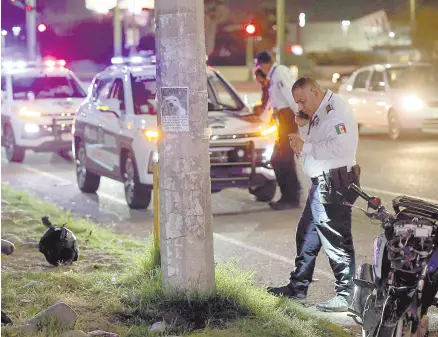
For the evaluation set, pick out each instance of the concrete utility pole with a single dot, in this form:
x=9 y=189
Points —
x=117 y=25
x=31 y=30
x=187 y=260
x=281 y=18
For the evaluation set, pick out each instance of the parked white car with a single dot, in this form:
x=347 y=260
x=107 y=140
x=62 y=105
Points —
x=399 y=97
x=115 y=135
x=38 y=103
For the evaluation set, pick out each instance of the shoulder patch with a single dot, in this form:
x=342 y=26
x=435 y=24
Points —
x=340 y=128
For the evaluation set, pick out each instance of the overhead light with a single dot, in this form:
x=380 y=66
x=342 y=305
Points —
x=345 y=23
x=4 y=32
x=16 y=30
x=391 y=34
x=302 y=19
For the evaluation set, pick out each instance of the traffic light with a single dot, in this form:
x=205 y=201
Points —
x=250 y=29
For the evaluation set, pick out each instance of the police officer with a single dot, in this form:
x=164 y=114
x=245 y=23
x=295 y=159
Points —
x=326 y=146
x=281 y=100
x=262 y=79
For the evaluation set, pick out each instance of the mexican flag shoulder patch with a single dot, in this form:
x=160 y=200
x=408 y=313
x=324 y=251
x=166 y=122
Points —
x=340 y=128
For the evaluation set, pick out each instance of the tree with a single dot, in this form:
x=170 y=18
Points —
x=425 y=36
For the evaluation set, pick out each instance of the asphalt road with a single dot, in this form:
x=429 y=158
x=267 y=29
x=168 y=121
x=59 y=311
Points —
x=260 y=239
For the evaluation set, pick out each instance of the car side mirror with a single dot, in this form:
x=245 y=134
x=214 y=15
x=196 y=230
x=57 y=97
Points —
x=111 y=105
x=212 y=106
x=377 y=88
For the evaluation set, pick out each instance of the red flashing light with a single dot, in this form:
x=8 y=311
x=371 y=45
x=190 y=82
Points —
x=28 y=8
x=250 y=29
x=42 y=27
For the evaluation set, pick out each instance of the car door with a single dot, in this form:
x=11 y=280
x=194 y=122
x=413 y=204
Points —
x=93 y=130
x=109 y=127
x=377 y=99
x=358 y=96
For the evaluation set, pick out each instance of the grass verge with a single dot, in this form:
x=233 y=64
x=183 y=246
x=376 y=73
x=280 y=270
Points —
x=116 y=286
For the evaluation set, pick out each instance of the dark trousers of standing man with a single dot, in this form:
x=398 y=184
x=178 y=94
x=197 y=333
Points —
x=283 y=163
x=329 y=226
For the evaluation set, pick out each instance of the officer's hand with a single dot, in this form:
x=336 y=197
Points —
x=301 y=121
x=296 y=143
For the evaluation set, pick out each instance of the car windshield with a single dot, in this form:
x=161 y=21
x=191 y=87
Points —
x=412 y=76
x=225 y=97
x=46 y=86
x=144 y=89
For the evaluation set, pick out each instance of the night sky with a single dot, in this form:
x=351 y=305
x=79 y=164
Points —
x=316 y=10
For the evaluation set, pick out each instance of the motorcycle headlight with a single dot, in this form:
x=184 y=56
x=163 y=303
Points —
x=413 y=103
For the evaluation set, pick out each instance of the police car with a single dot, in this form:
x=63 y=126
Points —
x=38 y=104
x=115 y=135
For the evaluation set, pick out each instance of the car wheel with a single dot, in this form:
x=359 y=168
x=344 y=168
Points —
x=394 y=127
x=14 y=153
x=88 y=182
x=138 y=195
x=266 y=192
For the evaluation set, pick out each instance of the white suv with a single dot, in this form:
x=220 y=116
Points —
x=38 y=103
x=398 y=97
x=115 y=136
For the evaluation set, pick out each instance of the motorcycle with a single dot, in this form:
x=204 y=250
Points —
x=392 y=296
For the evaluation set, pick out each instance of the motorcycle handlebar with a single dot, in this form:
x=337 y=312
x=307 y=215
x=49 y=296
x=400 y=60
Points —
x=359 y=192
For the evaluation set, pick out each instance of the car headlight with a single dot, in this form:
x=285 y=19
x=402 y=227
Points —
x=25 y=112
x=269 y=131
x=413 y=103
x=151 y=135
x=31 y=128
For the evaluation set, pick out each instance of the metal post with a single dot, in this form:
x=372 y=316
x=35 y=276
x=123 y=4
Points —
x=133 y=50
x=156 y=197
x=250 y=55
x=412 y=6
x=31 y=30
x=187 y=261
x=281 y=8
x=117 y=26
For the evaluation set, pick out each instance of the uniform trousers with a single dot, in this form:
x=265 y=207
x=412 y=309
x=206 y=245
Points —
x=327 y=226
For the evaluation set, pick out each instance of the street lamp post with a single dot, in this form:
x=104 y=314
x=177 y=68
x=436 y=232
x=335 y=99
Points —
x=117 y=30
x=412 y=5
x=4 y=33
x=31 y=30
x=280 y=30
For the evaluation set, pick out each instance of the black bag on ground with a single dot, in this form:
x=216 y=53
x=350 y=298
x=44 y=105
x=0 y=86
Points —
x=58 y=244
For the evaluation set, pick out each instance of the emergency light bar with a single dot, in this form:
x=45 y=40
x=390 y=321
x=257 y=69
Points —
x=133 y=60
x=24 y=64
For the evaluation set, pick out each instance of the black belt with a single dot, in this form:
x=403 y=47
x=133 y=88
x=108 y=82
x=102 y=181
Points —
x=315 y=180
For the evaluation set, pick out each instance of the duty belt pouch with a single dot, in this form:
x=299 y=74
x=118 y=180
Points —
x=325 y=190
